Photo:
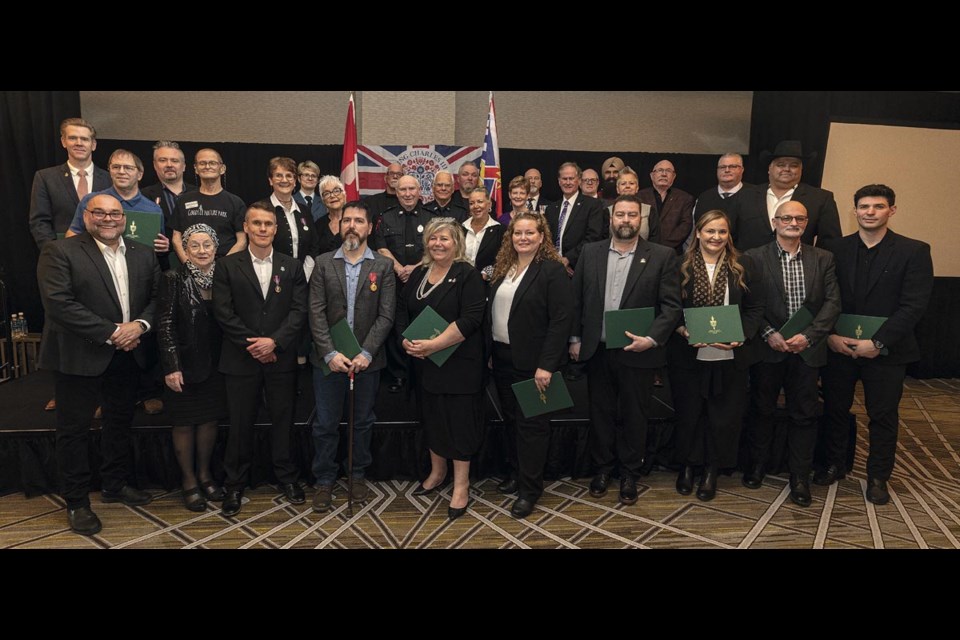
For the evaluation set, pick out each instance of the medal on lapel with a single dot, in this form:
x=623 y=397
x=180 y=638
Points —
x=276 y=281
x=303 y=221
x=373 y=281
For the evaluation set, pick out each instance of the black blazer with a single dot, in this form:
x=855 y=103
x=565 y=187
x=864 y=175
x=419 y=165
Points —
x=899 y=289
x=584 y=224
x=187 y=343
x=54 y=201
x=747 y=210
x=489 y=246
x=540 y=317
x=824 y=219
x=242 y=311
x=652 y=281
x=81 y=304
x=751 y=302
x=308 y=240
x=462 y=298
x=822 y=299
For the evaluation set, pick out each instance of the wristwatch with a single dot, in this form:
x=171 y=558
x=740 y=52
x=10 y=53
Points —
x=143 y=325
x=878 y=345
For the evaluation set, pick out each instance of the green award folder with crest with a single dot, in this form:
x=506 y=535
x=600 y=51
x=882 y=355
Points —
x=343 y=341
x=859 y=327
x=713 y=324
x=142 y=227
x=427 y=326
x=796 y=324
x=636 y=321
x=534 y=403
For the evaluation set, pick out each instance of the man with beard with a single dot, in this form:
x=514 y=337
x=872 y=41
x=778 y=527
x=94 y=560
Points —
x=353 y=283
x=469 y=175
x=625 y=272
x=628 y=184
x=611 y=172
x=674 y=206
x=169 y=163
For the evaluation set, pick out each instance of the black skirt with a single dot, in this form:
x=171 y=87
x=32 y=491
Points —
x=199 y=402
x=453 y=423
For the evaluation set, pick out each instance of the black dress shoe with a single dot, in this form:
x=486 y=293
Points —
x=84 y=521
x=826 y=477
x=708 y=485
x=453 y=514
x=127 y=495
x=800 y=490
x=396 y=386
x=522 y=508
x=212 y=491
x=685 y=481
x=423 y=491
x=877 y=491
x=753 y=479
x=647 y=466
x=628 y=490
x=509 y=485
x=598 y=486
x=231 y=503
x=293 y=492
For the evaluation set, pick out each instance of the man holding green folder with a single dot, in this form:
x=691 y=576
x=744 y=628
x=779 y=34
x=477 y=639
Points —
x=351 y=311
x=803 y=302
x=884 y=275
x=626 y=304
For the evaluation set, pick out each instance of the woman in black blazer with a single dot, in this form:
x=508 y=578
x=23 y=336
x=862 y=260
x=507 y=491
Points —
x=449 y=397
x=296 y=230
x=709 y=382
x=190 y=340
x=483 y=234
x=528 y=326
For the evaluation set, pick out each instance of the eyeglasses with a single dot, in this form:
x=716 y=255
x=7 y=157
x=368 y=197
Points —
x=100 y=214
x=333 y=192
x=213 y=164
x=666 y=171
x=308 y=176
x=590 y=180
x=395 y=174
x=129 y=168
x=731 y=167
x=282 y=176
x=789 y=219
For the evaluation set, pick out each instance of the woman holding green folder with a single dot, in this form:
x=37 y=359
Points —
x=449 y=396
x=709 y=381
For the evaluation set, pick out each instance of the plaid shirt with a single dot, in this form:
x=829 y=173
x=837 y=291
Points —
x=793 y=285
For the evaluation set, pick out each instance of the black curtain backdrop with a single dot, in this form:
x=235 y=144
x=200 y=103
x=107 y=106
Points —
x=29 y=140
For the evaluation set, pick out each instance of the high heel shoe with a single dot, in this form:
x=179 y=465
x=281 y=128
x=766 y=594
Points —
x=423 y=491
x=454 y=513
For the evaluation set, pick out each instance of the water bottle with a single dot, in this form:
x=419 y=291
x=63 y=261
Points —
x=14 y=326
x=23 y=325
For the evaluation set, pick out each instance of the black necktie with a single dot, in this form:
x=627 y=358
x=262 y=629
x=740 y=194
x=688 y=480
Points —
x=725 y=195
x=309 y=200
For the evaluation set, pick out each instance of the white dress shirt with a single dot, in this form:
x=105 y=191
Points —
x=474 y=238
x=263 y=269
x=773 y=202
x=501 y=306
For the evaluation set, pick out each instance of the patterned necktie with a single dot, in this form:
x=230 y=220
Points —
x=83 y=188
x=530 y=204
x=563 y=216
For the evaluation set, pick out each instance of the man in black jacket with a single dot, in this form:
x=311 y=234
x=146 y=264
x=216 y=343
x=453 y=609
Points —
x=576 y=219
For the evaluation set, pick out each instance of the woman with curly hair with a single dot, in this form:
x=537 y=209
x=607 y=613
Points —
x=709 y=381
x=528 y=324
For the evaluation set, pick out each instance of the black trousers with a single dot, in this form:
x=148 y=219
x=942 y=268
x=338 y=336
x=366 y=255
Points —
x=531 y=435
x=799 y=382
x=708 y=402
x=619 y=406
x=243 y=399
x=882 y=390
x=77 y=398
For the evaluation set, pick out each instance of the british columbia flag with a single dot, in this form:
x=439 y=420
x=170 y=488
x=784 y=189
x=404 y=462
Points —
x=420 y=160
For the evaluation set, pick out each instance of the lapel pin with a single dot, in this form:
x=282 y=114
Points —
x=276 y=281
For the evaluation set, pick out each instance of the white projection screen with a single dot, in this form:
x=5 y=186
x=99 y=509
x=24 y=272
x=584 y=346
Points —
x=921 y=165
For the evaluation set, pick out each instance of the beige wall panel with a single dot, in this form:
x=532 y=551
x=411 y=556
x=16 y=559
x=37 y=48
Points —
x=921 y=167
x=408 y=117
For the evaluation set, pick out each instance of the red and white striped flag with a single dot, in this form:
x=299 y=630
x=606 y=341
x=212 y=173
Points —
x=348 y=168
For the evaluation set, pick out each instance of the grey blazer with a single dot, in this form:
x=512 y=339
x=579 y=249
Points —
x=81 y=304
x=822 y=299
x=373 y=310
x=54 y=201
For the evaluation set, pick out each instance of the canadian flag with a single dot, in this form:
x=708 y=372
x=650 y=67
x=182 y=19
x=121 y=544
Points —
x=348 y=168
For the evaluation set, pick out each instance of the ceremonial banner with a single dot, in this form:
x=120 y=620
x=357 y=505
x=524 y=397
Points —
x=420 y=161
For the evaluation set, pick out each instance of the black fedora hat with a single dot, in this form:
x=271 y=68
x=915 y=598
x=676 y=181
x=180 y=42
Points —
x=787 y=149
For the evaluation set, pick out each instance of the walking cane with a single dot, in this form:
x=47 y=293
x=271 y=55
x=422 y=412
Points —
x=350 y=451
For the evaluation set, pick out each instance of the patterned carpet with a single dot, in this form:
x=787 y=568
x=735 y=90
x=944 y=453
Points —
x=924 y=511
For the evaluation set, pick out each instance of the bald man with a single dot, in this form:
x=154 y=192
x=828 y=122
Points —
x=380 y=202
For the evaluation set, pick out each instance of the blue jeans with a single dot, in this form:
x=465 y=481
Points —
x=331 y=393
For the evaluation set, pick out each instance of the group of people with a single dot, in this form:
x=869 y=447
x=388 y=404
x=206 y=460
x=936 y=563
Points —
x=305 y=275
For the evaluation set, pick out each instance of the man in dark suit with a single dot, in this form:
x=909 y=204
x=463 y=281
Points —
x=169 y=163
x=535 y=199
x=743 y=203
x=883 y=274
x=784 y=171
x=386 y=199
x=442 y=205
x=358 y=285
x=307 y=196
x=98 y=293
x=626 y=272
x=260 y=301
x=576 y=219
x=673 y=206
x=795 y=275
x=57 y=190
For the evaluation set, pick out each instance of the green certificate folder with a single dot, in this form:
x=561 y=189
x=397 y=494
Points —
x=713 y=324
x=797 y=323
x=636 y=321
x=142 y=227
x=859 y=327
x=533 y=403
x=343 y=341
x=427 y=326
